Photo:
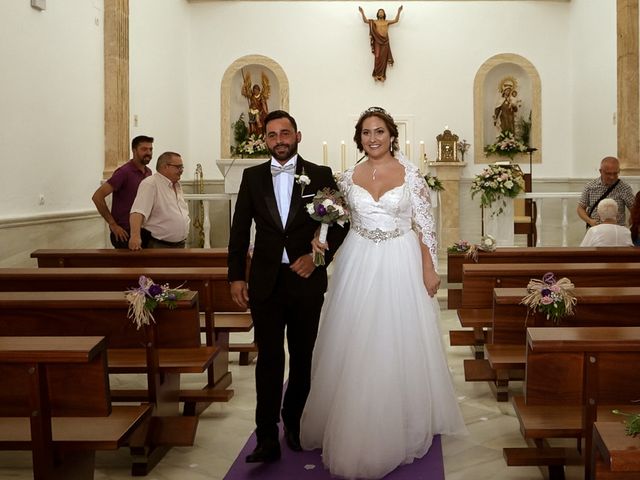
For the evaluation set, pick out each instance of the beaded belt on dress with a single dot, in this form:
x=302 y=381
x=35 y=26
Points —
x=376 y=235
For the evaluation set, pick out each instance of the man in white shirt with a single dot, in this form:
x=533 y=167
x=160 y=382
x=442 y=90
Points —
x=607 y=233
x=160 y=210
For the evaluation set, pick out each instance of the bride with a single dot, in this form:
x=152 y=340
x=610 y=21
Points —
x=380 y=386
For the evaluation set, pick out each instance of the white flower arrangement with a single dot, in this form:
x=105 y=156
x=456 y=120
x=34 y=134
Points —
x=496 y=182
x=303 y=180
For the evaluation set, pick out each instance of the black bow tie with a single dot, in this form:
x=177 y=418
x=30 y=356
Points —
x=289 y=168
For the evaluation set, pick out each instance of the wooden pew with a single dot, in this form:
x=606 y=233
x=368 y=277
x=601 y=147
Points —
x=477 y=325
x=152 y=257
x=573 y=375
x=597 y=306
x=55 y=401
x=614 y=455
x=210 y=283
x=164 y=350
x=455 y=261
x=160 y=257
x=480 y=280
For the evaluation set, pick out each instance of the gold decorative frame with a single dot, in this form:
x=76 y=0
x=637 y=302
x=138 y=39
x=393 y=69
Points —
x=484 y=88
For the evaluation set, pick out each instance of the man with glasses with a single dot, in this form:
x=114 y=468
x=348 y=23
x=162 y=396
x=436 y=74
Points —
x=608 y=185
x=160 y=211
x=123 y=184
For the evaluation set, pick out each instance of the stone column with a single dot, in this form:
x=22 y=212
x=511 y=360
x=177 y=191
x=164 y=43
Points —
x=116 y=84
x=449 y=174
x=628 y=117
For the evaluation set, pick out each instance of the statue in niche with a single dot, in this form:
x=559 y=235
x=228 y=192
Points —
x=257 y=97
x=504 y=115
x=379 y=37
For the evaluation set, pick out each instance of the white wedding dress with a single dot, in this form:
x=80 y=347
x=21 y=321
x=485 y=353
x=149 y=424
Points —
x=380 y=385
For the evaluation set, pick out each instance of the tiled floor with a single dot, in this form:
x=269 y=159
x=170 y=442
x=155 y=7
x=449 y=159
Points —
x=224 y=428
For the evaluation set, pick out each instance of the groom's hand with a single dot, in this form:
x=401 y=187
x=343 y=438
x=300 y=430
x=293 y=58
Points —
x=303 y=266
x=240 y=293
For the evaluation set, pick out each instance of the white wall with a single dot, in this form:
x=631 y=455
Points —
x=438 y=47
x=159 y=69
x=51 y=86
x=51 y=101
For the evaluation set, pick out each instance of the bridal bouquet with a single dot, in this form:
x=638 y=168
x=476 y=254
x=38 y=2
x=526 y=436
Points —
x=327 y=207
x=146 y=297
x=551 y=297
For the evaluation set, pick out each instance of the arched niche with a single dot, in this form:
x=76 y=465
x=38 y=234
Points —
x=487 y=96
x=233 y=103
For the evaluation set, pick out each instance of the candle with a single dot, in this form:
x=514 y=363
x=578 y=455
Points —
x=407 y=150
x=343 y=155
x=325 y=156
x=422 y=159
x=446 y=127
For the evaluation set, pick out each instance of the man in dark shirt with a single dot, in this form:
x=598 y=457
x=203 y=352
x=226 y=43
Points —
x=124 y=186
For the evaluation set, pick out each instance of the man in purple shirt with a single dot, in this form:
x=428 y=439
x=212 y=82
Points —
x=124 y=186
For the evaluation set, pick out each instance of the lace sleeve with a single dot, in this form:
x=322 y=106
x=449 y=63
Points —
x=423 y=220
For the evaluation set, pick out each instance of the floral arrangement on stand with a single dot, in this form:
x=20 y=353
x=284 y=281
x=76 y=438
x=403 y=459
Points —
x=147 y=296
x=487 y=244
x=463 y=146
x=506 y=145
x=247 y=145
x=434 y=183
x=496 y=182
x=327 y=207
x=551 y=297
x=632 y=423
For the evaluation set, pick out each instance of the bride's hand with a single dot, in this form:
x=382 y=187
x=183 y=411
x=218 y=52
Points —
x=318 y=247
x=431 y=282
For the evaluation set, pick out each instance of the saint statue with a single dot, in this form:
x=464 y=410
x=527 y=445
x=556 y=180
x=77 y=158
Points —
x=379 y=37
x=257 y=98
x=504 y=115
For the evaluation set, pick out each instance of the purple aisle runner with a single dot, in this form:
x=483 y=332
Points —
x=308 y=466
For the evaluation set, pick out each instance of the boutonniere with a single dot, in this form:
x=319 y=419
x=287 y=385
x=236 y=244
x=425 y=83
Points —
x=303 y=180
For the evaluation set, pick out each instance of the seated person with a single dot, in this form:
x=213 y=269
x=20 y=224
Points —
x=635 y=221
x=607 y=233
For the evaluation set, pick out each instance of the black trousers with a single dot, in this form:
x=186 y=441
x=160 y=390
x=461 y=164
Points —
x=296 y=309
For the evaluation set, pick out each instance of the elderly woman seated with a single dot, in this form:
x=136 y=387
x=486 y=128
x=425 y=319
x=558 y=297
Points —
x=607 y=233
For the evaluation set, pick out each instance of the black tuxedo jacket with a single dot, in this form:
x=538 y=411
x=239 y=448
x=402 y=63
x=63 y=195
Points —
x=256 y=201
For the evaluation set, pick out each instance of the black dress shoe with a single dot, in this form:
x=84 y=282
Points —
x=264 y=452
x=293 y=440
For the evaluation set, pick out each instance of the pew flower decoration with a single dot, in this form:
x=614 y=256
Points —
x=461 y=246
x=146 y=297
x=551 y=297
x=433 y=183
x=495 y=183
x=632 y=423
x=487 y=244
x=327 y=207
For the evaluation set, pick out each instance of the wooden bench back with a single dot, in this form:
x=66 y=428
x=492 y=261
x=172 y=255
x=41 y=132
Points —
x=153 y=257
x=582 y=365
x=597 y=306
x=480 y=279
x=210 y=282
x=97 y=313
x=74 y=370
x=455 y=261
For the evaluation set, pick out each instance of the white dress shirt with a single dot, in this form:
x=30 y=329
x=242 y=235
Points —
x=166 y=214
x=283 y=188
x=607 y=235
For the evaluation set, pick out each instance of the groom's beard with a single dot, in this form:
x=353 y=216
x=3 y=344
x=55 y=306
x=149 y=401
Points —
x=283 y=152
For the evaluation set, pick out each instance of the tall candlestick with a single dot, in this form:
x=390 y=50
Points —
x=407 y=150
x=343 y=155
x=422 y=161
x=325 y=156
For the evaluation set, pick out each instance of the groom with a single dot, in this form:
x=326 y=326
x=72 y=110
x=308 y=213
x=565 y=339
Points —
x=285 y=288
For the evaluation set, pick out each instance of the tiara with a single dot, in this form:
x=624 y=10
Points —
x=374 y=110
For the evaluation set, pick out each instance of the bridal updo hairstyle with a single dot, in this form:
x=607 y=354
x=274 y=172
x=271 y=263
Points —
x=382 y=114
